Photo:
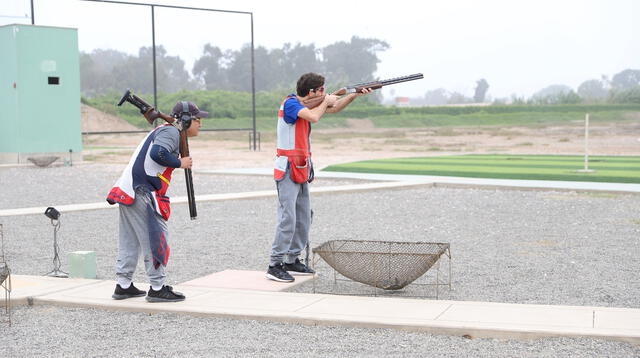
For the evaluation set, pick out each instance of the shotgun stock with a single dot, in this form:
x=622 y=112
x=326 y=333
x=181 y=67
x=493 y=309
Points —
x=151 y=114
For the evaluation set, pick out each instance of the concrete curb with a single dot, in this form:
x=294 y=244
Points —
x=469 y=319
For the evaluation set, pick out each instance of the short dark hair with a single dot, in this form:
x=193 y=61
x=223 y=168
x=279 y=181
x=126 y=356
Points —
x=307 y=82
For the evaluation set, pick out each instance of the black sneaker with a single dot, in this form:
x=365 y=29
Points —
x=132 y=291
x=298 y=268
x=277 y=273
x=165 y=294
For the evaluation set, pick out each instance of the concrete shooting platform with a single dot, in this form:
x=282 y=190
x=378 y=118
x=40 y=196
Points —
x=475 y=319
x=246 y=280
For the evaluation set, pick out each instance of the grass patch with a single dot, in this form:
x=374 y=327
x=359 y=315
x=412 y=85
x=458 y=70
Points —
x=614 y=169
x=234 y=110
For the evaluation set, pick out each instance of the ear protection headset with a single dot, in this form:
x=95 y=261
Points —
x=185 y=116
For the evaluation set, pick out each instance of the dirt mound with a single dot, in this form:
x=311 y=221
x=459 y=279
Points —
x=94 y=120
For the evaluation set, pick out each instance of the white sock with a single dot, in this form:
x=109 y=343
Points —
x=124 y=283
x=156 y=288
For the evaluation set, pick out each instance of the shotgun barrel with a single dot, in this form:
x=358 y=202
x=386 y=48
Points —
x=380 y=83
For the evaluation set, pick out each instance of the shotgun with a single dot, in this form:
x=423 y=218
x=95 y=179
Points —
x=357 y=88
x=151 y=114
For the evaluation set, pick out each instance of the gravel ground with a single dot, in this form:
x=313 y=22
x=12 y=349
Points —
x=537 y=247
x=72 y=332
x=29 y=186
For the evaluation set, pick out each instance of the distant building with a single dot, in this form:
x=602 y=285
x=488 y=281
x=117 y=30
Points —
x=403 y=101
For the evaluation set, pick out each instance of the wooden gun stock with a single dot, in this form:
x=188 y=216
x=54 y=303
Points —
x=152 y=114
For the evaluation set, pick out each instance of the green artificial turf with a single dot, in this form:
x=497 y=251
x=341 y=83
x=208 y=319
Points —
x=612 y=169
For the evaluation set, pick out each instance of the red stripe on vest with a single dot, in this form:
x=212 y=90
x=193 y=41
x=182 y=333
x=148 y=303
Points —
x=294 y=153
x=116 y=195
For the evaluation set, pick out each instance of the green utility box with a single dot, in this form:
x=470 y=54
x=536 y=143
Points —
x=39 y=93
x=82 y=264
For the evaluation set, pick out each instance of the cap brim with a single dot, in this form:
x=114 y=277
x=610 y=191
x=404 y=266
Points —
x=202 y=114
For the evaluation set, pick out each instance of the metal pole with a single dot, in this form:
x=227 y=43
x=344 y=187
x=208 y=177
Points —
x=253 y=86
x=586 y=147
x=586 y=142
x=33 y=20
x=153 y=49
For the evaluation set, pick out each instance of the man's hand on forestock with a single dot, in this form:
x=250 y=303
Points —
x=344 y=101
x=186 y=163
x=365 y=91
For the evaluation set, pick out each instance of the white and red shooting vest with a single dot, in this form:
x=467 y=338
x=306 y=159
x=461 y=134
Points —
x=293 y=143
x=144 y=171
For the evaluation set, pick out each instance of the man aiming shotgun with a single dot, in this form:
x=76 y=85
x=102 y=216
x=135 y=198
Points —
x=144 y=206
x=293 y=168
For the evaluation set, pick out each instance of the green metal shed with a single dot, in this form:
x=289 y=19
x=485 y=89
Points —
x=39 y=93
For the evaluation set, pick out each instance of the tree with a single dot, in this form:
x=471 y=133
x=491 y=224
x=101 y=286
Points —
x=275 y=69
x=354 y=61
x=208 y=70
x=631 y=95
x=96 y=71
x=626 y=79
x=105 y=70
x=592 y=90
x=570 y=97
x=481 y=90
x=297 y=60
x=551 y=94
x=458 y=98
x=170 y=71
x=436 y=97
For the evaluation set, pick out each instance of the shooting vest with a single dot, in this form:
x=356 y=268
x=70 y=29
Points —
x=293 y=148
x=144 y=171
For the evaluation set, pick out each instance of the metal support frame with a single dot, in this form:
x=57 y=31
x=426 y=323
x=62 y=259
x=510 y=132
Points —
x=153 y=40
x=252 y=141
x=33 y=20
x=5 y=277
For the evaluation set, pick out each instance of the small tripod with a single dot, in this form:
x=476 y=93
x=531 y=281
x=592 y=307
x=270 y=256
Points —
x=56 y=272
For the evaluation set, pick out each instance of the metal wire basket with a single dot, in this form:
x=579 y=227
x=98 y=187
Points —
x=43 y=161
x=389 y=265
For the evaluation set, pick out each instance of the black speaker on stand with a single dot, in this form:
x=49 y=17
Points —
x=54 y=215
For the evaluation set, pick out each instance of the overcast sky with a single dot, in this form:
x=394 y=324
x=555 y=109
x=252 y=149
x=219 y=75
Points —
x=519 y=47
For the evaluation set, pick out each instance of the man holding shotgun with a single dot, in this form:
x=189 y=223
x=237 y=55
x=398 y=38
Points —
x=294 y=170
x=144 y=206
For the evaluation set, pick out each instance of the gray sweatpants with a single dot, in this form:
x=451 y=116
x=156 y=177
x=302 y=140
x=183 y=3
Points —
x=134 y=238
x=294 y=220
